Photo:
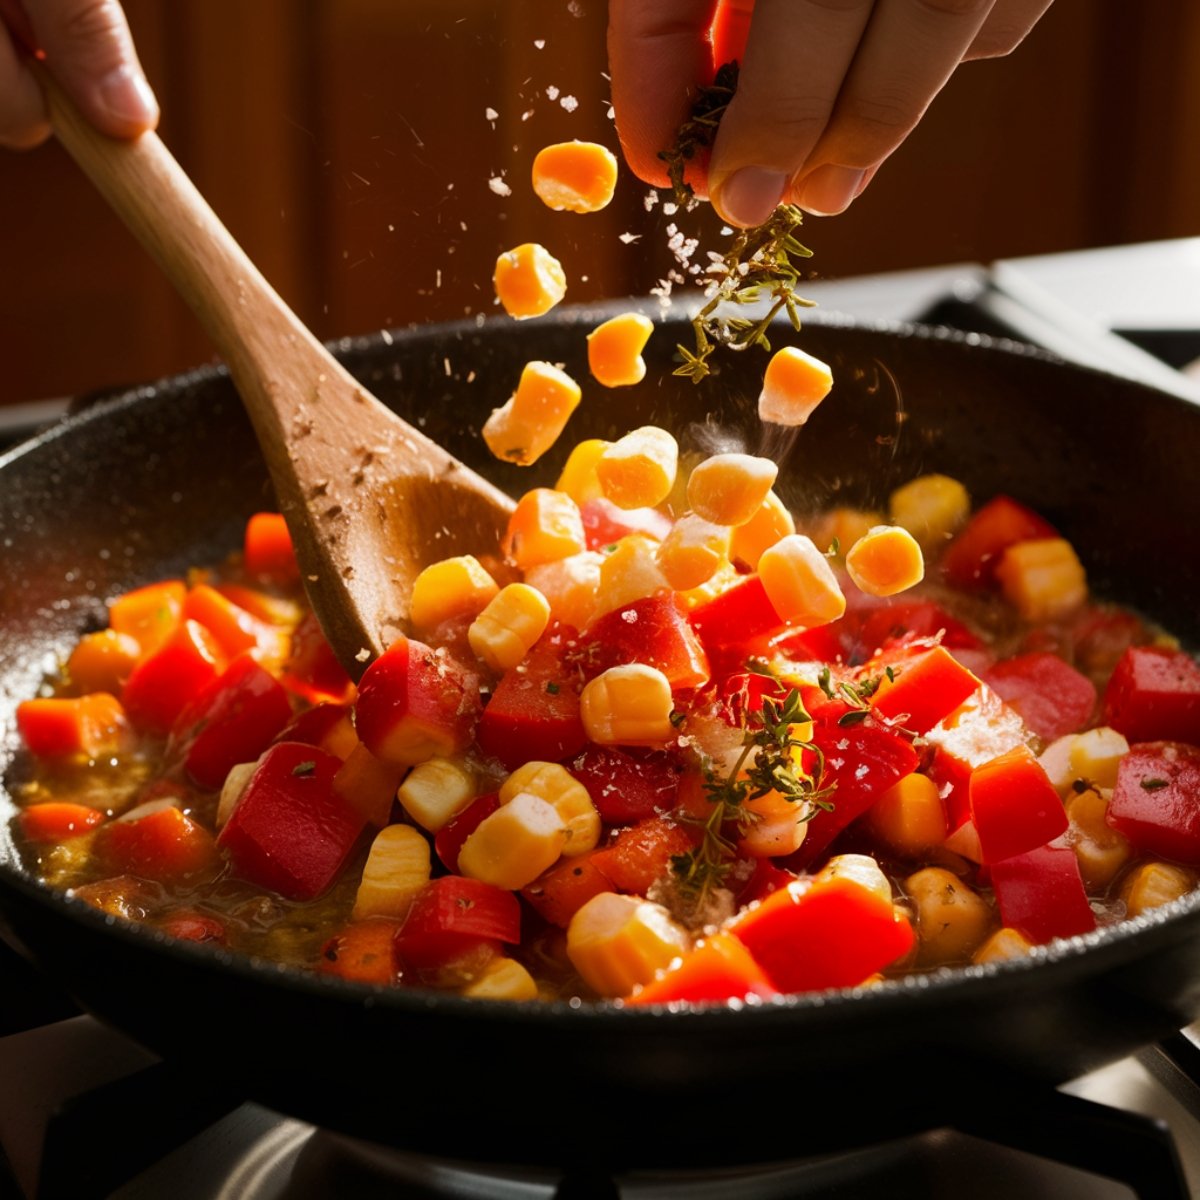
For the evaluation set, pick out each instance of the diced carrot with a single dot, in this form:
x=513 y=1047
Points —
x=577 y=176
x=275 y=610
x=156 y=841
x=162 y=684
x=718 y=969
x=928 y=689
x=362 y=952
x=529 y=280
x=235 y=629
x=103 y=661
x=909 y=818
x=312 y=670
x=269 y=553
x=149 y=614
x=641 y=854
x=562 y=891
x=92 y=725
x=58 y=820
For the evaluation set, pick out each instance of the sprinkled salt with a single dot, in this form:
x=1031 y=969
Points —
x=569 y=103
x=629 y=238
x=497 y=184
x=552 y=92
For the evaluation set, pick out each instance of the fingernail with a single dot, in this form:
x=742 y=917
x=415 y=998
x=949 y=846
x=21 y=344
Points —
x=829 y=189
x=126 y=95
x=749 y=196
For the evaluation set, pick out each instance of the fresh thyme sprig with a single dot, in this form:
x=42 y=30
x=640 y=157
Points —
x=699 y=130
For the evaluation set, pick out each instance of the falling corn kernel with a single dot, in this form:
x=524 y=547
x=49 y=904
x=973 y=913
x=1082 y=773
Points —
x=615 y=349
x=629 y=572
x=931 y=507
x=506 y=630
x=544 y=526
x=692 y=551
x=514 y=845
x=616 y=942
x=454 y=587
x=436 y=791
x=578 y=478
x=885 y=560
x=576 y=176
x=397 y=869
x=800 y=583
x=502 y=979
x=529 y=280
x=628 y=706
x=841 y=527
x=772 y=522
x=728 y=489
x=1042 y=579
x=570 y=586
x=524 y=428
x=556 y=785
x=638 y=471
x=794 y=384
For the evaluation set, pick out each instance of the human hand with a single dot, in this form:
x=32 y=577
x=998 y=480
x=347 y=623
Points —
x=88 y=48
x=827 y=90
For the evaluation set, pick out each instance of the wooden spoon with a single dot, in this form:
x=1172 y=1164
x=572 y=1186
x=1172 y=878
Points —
x=369 y=500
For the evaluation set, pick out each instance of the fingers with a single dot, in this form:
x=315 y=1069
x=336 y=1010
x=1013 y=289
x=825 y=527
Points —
x=23 y=121
x=1006 y=27
x=659 y=54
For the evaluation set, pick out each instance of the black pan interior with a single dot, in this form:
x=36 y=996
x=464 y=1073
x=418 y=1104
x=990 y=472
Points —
x=164 y=477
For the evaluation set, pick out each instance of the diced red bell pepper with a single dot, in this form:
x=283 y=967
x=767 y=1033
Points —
x=766 y=879
x=268 y=551
x=825 y=643
x=1014 y=805
x=415 y=703
x=1101 y=635
x=971 y=558
x=1052 y=698
x=369 y=785
x=1156 y=800
x=653 y=631
x=326 y=725
x=924 y=691
x=188 y=925
x=533 y=714
x=1041 y=894
x=236 y=630
x=270 y=609
x=720 y=968
x=163 y=684
x=452 y=913
x=1154 y=696
x=57 y=820
x=93 y=726
x=312 y=670
x=364 y=952
x=741 y=613
x=233 y=720
x=149 y=614
x=742 y=695
x=558 y=894
x=908 y=620
x=448 y=840
x=156 y=841
x=627 y=787
x=604 y=523
x=290 y=831
x=834 y=933
x=641 y=855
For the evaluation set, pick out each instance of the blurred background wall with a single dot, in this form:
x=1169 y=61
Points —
x=359 y=149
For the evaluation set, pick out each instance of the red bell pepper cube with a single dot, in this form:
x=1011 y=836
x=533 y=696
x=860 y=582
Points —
x=415 y=703
x=971 y=558
x=1041 y=894
x=826 y=643
x=1014 y=805
x=905 y=621
x=231 y=721
x=834 y=933
x=533 y=715
x=604 y=523
x=156 y=841
x=149 y=614
x=653 y=630
x=235 y=629
x=450 y=915
x=766 y=879
x=719 y=969
x=641 y=855
x=741 y=613
x=93 y=726
x=1154 y=696
x=1156 y=800
x=57 y=820
x=924 y=691
x=163 y=684
x=558 y=894
x=188 y=925
x=1052 y=698
x=627 y=787
x=268 y=608
x=268 y=551
x=312 y=670
x=449 y=840
x=364 y=952
x=290 y=831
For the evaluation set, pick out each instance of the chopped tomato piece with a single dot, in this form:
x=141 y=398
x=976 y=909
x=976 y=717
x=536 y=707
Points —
x=268 y=551
x=1156 y=801
x=654 y=631
x=720 y=968
x=364 y=952
x=93 y=726
x=58 y=820
x=971 y=558
x=1041 y=894
x=156 y=841
x=627 y=786
x=1014 y=805
x=924 y=691
x=450 y=915
x=162 y=685
x=1154 y=696
x=604 y=523
x=1051 y=697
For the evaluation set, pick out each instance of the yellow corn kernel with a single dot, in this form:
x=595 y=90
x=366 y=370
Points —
x=544 y=526
x=1096 y=755
x=861 y=869
x=1055 y=760
x=570 y=586
x=772 y=522
x=397 y=869
x=693 y=550
x=725 y=576
x=794 y=384
x=454 y=587
x=616 y=942
x=615 y=349
x=515 y=844
x=569 y=798
x=231 y=790
x=885 y=560
x=529 y=280
x=1153 y=884
x=1101 y=850
x=729 y=489
x=1042 y=579
x=578 y=478
x=800 y=583
x=952 y=918
x=627 y=706
x=577 y=176
x=629 y=572
x=436 y=791
x=910 y=817
x=502 y=979
x=933 y=508
x=1005 y=944
x=638 y=471
x=844 y=526
x=529 y=423
x=505 y=631
x=777 y=827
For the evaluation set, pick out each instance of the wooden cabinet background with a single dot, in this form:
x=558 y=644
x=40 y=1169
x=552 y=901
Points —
x=347 y=144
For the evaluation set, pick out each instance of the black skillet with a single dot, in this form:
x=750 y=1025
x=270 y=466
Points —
x=158 y=479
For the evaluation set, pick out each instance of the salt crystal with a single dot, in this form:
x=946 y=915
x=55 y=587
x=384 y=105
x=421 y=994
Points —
x=629 y=238
x=569 y=103
x=490 y=114
x=497 y=184
x=552 y=92
x=540 y=43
